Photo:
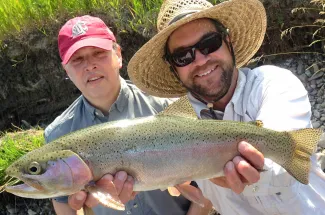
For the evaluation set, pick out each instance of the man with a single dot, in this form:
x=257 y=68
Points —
x=92 y=59
x=199 y=50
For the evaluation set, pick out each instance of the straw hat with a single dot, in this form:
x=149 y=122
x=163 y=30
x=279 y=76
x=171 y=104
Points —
x=246 y=20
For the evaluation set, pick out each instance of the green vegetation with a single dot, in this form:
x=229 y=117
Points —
x=14 y=145
x=315 y=30
x=135 y=15
x=319 y=23
x=16 y=15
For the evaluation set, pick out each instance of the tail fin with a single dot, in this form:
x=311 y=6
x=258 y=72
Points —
x=306 y=141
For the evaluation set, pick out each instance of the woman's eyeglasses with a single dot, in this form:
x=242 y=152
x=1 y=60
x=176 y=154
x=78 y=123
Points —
x=208 y=44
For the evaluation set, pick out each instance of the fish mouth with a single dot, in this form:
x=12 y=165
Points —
x=20 y=188
x=29 y=188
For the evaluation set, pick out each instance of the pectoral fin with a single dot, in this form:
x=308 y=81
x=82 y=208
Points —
x=191 y=193
x=105 y=198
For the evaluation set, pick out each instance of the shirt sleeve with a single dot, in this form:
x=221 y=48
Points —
x=284 y=104
x=61 y=199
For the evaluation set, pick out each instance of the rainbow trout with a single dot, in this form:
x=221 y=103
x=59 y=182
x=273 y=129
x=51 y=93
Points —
x=158 y=151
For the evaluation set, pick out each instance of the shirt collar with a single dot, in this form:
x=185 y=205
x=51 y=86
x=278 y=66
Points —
x=236 y=100
x=119 y=104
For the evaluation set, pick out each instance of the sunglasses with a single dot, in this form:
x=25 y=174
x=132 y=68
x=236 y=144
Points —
x=208 y=44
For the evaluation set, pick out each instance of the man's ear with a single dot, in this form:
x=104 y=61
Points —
x=118 y=52
x=228 y=38
x=64 y=67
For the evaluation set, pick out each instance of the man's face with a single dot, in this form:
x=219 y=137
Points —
x=208 y=75
x=95 y=71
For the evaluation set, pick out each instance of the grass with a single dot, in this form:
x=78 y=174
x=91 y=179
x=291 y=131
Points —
x=135 y=15
x=14 y=145
x=318 y=25
x=315 y=30
x=15 y=15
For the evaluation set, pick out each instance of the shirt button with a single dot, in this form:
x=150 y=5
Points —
x=255 y=189
x=128 y=212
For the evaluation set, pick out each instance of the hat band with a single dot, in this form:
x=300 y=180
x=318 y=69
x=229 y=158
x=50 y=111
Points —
x=180 y=16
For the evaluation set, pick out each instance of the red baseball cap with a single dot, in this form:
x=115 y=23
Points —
x=81 y=32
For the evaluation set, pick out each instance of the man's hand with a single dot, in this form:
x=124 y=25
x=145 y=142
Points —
x=242 y=170
x=119 y=187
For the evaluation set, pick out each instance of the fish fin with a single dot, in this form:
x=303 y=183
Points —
x=305 y=145
x=105 y=198
x=191 y=193
x=87 y=210
x=181 y=107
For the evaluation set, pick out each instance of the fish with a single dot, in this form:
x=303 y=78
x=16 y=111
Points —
x=158 y=151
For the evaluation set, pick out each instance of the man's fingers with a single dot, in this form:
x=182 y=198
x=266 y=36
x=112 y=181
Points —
x=77 y=200
x=191 y=193
x=173 y=191
x=248 y=173
x=250 y=153
x=119 y=180
x=103 y=182
x=126 y=193
x=233 y=178
x=134 y=194
x=107 y=186
x=91 y=201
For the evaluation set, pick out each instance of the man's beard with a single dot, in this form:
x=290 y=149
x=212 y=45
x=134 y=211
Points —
x=203 y=91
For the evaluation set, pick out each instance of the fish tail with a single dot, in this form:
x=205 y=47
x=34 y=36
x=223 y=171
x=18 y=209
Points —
x=305 y=141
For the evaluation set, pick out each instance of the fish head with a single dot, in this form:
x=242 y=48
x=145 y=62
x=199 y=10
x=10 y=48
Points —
x=48 y=175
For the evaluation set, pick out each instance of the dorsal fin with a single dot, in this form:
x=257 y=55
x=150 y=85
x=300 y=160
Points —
x=257 y=123
x=182 y=107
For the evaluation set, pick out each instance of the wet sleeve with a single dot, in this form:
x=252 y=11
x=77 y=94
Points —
x=61 y=199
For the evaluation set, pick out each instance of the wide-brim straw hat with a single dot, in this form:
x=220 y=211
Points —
x=245 y=19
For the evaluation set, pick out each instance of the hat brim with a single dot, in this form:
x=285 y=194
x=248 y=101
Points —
x=246 y=21
x=94 y=42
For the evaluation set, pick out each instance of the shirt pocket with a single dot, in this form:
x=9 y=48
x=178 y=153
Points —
x=273 y=192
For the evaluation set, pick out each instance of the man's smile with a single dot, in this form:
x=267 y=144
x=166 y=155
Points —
x=206 y=73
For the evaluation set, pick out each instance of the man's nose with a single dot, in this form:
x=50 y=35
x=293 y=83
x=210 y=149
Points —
x=90 y=64
x=200 y=59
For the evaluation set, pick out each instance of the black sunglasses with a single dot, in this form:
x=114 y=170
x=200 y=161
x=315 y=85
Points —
x=208 y=44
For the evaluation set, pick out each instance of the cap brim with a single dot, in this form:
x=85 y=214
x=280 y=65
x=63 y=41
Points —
x=95 y=42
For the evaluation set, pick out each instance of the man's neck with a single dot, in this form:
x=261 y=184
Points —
x=223 y=102
x=104 y=104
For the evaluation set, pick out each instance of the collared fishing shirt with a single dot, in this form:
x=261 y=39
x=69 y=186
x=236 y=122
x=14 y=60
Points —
x=277 y=98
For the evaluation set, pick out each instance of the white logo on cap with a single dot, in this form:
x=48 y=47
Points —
x=79 y=28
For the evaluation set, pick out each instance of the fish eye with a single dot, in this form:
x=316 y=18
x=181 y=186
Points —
x=34 y=168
